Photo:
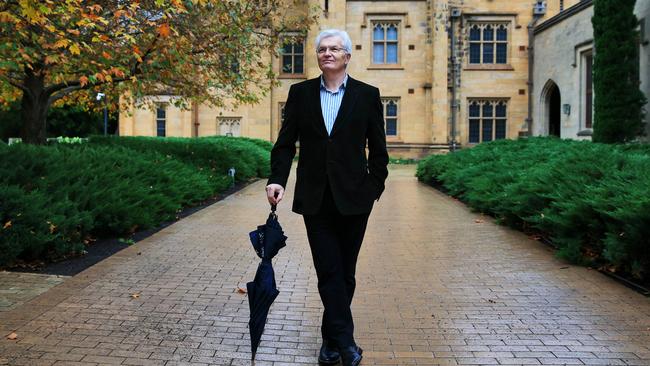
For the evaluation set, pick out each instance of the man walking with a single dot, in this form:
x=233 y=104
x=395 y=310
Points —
x=333 y=116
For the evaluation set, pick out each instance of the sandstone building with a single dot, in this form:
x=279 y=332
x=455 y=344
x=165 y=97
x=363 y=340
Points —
x=451 y=73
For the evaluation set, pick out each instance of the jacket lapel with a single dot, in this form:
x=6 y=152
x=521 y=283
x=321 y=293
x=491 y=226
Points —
x=347 y=104
x=314 y=97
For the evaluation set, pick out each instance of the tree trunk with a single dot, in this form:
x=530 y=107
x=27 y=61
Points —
x=34 y=106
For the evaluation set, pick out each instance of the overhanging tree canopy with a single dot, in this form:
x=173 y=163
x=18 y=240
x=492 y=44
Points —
x=65 y=51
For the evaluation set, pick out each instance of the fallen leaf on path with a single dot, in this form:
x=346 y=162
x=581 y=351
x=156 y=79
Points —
x=12 y=336
x=241 y=290
x=135 y=295
x=478 y=221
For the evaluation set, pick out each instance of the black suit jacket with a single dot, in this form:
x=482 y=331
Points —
x=356 y=180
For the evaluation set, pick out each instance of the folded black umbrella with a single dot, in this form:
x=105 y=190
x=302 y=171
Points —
x=267 y=240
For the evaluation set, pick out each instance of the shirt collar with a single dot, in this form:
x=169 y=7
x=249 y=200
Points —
x=342 y=87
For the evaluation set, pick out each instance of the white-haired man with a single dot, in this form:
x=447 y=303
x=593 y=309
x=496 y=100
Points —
x=333 y=116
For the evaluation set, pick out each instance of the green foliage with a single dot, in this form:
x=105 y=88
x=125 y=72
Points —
x=618 y=102
x=52 y=198
x=592 y=200
x=207 y=154
x=404 y=161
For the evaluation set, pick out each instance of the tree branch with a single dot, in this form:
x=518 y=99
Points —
x=16 y=85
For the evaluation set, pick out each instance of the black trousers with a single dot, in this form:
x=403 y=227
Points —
x=335 y=241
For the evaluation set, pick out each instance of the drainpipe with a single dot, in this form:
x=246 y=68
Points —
x=455 y=13
x=531 y=68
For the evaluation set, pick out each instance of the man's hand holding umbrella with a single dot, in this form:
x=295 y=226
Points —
x=274 y=193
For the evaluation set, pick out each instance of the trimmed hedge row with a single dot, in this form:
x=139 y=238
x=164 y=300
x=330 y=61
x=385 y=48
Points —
x=217 y=154
x=53 y=198
x=591 y=200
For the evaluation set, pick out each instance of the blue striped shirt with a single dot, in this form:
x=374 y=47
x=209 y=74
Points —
x=330 y=102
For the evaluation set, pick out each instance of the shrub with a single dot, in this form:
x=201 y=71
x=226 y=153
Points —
x=52 y=198
x=592 y=200
x=208 y=154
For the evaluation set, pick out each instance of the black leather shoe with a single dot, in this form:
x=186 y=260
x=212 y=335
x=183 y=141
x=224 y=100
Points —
x=328 y=354
x=351 y=356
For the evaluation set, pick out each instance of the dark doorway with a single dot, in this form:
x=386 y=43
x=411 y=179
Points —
x=554 y=112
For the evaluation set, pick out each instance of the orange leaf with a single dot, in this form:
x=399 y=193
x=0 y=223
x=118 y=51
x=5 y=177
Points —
x=163 y=30
x=104 y=37
x=12 y=336
x=106 y=55
x=73 y=31
x=241 y=290
x=83 y=80
x=7 y=225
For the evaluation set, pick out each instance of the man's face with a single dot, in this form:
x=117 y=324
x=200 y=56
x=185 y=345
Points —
x=331 y=54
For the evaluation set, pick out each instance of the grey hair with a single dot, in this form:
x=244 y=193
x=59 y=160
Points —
x=347 y=42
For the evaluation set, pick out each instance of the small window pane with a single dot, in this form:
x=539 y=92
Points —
x=378 y=53
x=488 y=33
x=502 y=34
x=487 y=130
x=391 y=126
x=392 y=33
x=391 y=53
x=391 y=109
x=286 y=64
x=487 y=110
x=474 y=110
x=500 y=110
x=297 y=47
x=378 y=33
x=500 y=132
x=474 y=135
x=475 y=34
x=287 y=48
x=502 y=53
x=298 y=67
x=160 y=113
x=160 y=128
x=488 y=53
x=475 y=53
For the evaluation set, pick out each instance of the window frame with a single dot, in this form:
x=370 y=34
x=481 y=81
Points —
x=161 y=107
x=586 y=118
x=482 y=25
x=481 y=119
x=385 y=24
x=292 y=75
x=229 y=120
x=401 y=22
x=384 y=102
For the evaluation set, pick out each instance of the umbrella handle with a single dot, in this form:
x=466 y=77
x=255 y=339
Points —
x=273 y=205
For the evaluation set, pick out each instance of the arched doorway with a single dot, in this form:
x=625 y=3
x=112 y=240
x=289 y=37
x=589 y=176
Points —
x=552 y=102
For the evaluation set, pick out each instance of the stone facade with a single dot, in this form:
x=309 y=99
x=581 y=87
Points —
x=440 y=84
x=564 y=50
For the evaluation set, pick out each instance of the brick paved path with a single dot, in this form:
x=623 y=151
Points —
x=436 y=287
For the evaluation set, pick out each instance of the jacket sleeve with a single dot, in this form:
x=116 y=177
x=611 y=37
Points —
x=377 y=153
x=284 y=148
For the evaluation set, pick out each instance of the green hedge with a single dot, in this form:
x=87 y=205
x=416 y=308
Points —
x=591 y=200
x=217 y=154
x=52 y=198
